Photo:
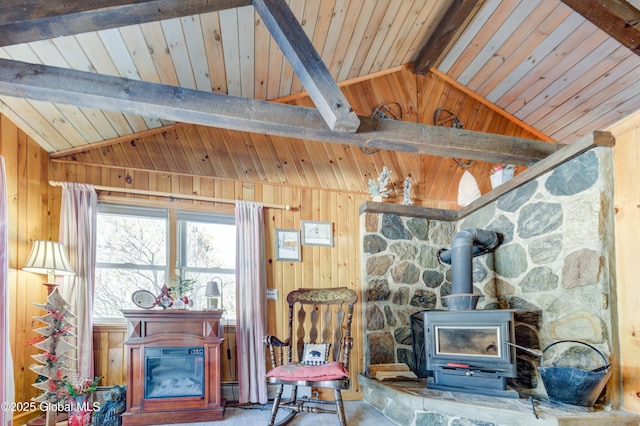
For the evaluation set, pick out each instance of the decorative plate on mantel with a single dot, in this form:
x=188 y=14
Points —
x=144 y=299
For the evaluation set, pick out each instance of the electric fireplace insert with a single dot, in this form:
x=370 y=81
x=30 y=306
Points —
x=469 y=351
x=173 y=372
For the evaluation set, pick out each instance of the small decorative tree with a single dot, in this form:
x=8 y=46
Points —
x=53 y=363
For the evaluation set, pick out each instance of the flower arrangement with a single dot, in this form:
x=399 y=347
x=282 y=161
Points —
x=75 y=386
x=71 y=387
x=180 y=289
x=77 y=392
x=182 y=285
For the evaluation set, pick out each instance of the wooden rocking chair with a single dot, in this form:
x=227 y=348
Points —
x=318 y=360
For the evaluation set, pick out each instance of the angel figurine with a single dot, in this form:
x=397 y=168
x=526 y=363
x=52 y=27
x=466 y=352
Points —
x=406 y=191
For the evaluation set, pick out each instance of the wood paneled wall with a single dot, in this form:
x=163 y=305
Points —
x=337 y=266
x=627 y=207
x=33 y=215
x=109 y=355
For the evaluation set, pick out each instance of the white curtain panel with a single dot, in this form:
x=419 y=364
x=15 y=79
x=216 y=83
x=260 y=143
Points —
x=7 y=385
x=250 y=301
x=78 y=220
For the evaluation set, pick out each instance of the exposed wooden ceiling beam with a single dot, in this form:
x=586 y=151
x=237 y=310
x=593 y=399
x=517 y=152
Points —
x=452 y=24
x=85 y=89
x=26 y=21
x=308 y=65
x=618 y=18
x=44 y=19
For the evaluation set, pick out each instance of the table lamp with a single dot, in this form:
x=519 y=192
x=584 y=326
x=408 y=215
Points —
x=48 y=257
x=213 y=293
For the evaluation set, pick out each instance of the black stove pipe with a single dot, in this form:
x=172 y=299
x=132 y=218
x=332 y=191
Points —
x=467 y=244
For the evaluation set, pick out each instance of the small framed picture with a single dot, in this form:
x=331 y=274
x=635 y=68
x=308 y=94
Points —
x=317 y=233
x=288 y=244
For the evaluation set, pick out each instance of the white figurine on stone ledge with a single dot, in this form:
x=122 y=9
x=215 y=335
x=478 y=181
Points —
x=406 y=191
x=378 y=190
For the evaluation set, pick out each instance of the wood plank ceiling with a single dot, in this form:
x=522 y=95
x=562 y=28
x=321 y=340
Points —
x=539 y=61
x=229 y=52
x=548 y=66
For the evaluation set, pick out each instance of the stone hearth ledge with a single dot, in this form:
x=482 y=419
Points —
x=410 y=403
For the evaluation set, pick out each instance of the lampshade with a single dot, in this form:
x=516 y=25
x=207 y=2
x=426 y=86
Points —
x=213 y=289
x=48 y=257
x=213 y=293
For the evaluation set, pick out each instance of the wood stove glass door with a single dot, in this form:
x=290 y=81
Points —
x=468 y=341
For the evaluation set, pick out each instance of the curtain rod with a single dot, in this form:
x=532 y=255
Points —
x=169 y=195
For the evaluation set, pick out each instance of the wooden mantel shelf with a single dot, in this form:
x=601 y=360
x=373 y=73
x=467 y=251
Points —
x=412 y=211
x=584 y=144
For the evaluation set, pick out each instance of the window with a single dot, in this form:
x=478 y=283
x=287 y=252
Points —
x=131 y=254
x=134 y=246
x=207 y=249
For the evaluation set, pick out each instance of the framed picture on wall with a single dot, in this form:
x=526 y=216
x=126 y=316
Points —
x=288 y=244
x=317 y=233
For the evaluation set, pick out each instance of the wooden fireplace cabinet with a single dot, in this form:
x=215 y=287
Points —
x=173 y=328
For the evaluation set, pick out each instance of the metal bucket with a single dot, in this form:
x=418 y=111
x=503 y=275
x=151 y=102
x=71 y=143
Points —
x=573 y=385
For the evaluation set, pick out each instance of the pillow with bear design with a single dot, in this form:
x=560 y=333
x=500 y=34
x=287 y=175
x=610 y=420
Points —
x=315 y=353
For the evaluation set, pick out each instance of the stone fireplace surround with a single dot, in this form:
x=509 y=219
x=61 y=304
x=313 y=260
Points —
x=555 y=268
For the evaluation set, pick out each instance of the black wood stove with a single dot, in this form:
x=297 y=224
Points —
x=469 y=351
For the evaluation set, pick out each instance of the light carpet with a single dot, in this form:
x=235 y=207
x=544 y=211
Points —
x=357 y=413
